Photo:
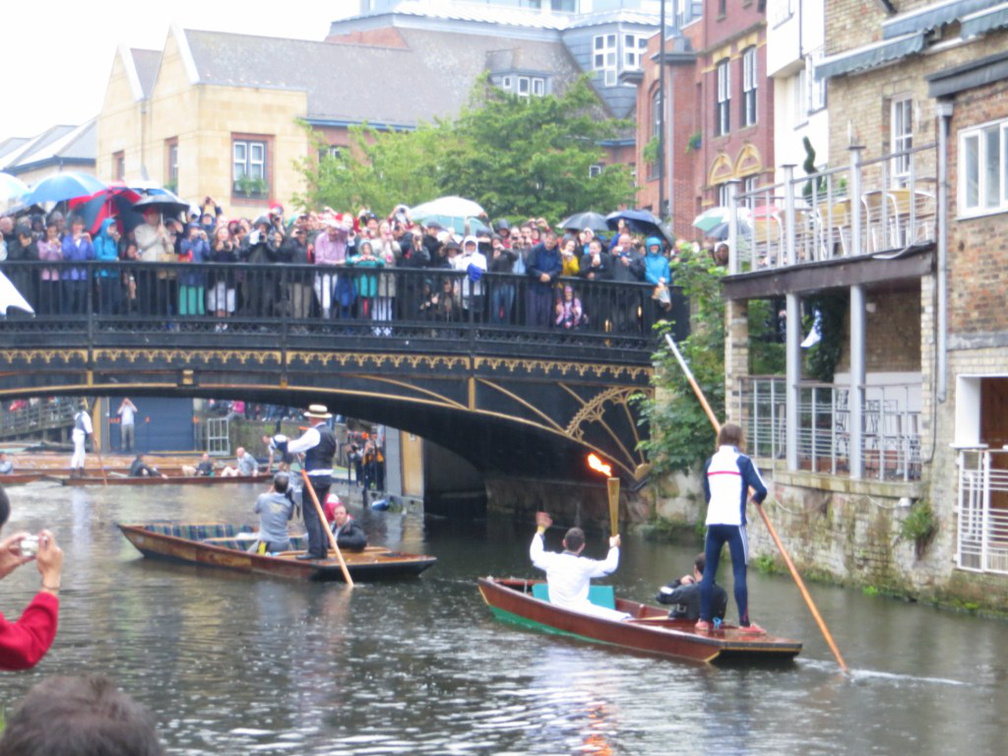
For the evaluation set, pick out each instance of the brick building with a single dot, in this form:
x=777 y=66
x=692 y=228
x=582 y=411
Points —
x=719 y=109
x=896 y=242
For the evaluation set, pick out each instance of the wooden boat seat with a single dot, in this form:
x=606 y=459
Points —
x=600 y=595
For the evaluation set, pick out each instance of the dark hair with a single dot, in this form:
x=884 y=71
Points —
x=574 y=539
x=4 y=507
x=80 y=716
x=700 y=562
x=730 y=435
x=281 y=482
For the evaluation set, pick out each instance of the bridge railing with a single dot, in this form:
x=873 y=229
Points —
x=108 y=300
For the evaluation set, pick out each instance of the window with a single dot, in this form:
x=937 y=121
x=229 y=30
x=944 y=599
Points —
x=656 y=127
x=901 y=126
x=723 y=194
x=332 y=151
x=816 y=87
x=524 y=86
x=983 y=169
x=749 y=86
x=506 y=83
x=749 y=186
x=171 y=164
x=118 y=166
x=595 y=170
x=604 y=57
x=633 y=50
x=538 y=86
x=722 y=121
x=800 y=96
x=722 y=8
x=681 y=13
x=249 y=157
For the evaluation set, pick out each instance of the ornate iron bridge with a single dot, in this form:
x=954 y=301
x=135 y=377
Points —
x=485 y=380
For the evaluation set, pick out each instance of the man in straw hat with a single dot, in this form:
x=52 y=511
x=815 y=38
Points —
x=318 y=444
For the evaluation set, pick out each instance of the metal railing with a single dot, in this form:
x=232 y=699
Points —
x=890 y=433
x=982 y=536
x=868 y=207
x=304 y=300
x=35 y=417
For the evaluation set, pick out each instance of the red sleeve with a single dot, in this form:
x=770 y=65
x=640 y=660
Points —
x=25 y=642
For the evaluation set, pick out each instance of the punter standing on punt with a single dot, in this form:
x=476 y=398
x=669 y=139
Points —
x=728 y=476
x=569 y=574
x=319 y=446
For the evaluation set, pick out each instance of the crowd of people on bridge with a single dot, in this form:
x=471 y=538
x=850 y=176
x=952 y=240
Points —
x=354 y=258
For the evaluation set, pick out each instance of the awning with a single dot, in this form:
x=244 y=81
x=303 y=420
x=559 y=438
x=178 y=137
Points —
x=931 y=17
x=985 y=21
x=869 y=56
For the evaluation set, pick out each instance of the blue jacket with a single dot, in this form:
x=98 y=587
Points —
x=542 y=260
x=198 y=252
x=106 y=248
x=77 y=252
x=656 y=266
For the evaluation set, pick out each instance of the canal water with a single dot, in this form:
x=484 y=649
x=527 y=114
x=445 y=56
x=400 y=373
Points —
x=232 y=664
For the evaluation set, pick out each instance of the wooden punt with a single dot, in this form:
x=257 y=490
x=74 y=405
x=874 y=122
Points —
x=17 y=479
x=174 y=480
x=649 y=630
x=215 y=544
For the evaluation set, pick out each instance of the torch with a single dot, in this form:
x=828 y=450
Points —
x=612 y=488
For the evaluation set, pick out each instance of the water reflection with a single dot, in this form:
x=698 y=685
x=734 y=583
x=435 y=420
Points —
x=233 y=664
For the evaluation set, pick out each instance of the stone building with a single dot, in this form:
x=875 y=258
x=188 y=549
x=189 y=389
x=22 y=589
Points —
x=890 y=471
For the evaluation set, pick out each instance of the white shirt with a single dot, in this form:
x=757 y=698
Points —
x=127 y=412
x=569 y=575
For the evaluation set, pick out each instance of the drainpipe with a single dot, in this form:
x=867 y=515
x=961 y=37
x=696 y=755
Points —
x=792 y=365
x=944 y=111
x=661 y=119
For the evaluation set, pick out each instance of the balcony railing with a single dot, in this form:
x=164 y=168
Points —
x=890 y=432
x=982 y=537
x=869 y=207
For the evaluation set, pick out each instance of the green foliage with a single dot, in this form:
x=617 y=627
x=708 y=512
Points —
x=516 y=156
x=650 y=152
x=919 y=525
x=246 y=186
x=766 y=564
x=695 y=141
x=822 y=359
x=681 y=433
x=870 y=590
x=767 y=355
x=672 y=531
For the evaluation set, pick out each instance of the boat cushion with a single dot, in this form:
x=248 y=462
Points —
x=600 y=595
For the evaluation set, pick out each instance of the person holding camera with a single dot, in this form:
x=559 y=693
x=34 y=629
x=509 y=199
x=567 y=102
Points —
x=24 y=642
x=261 y=247
x=684 y=594
x=275 y=509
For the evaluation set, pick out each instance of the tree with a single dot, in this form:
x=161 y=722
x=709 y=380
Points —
x=517 y=156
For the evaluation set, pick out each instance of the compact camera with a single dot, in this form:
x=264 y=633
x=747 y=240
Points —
x=29 y=545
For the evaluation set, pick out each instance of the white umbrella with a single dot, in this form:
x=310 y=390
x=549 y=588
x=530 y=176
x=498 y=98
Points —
x=11 y=297
x=11 y=187
x=452 y=207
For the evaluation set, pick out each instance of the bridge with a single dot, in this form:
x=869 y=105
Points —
x=510 y=396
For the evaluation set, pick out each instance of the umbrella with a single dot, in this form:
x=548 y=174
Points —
x=115 y=201
x=63 y=186
x=452 y=207
x=457 y=224
x=642 y=222
x=581 y=221
x=167 y=203
x=715 y=216
x=11 y=187
x=11 y=297
x=720 y=231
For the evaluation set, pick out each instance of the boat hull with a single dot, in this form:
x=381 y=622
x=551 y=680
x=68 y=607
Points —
x=649 y=630
x=181 y=542
x=17 y=479
x=177 y=480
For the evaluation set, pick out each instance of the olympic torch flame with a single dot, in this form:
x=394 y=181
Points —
x=598 y=465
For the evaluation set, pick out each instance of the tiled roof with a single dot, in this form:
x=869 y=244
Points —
x=146 y=63
x=55 y=144
x=348 y=82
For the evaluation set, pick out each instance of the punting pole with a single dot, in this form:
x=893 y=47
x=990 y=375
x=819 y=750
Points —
x=766 y=520
x=325 y=526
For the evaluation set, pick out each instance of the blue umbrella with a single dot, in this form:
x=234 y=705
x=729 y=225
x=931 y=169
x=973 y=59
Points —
x=641 y=221
x=63 y=186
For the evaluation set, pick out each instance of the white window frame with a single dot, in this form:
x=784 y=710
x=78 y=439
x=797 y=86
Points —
x=173 y=162
x=634 y=46
x=605 y=56
x=801 y=99
x=983 y=178
x=901 y=112
x=595 y=170
x=723 y=194
x=524 y=86
x=245 y=162
x=538 y=86
x=750 y=81
x=816 y=87
x=506 y=83
x=722 y=110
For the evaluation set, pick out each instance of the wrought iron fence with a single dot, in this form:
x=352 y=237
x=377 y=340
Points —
x=421 y=303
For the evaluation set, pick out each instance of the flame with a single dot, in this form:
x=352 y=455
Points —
x=599 y=466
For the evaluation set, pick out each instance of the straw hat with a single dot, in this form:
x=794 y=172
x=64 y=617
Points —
x=318 y=411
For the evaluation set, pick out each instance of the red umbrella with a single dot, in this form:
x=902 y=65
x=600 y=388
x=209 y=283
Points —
x=115 y=201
